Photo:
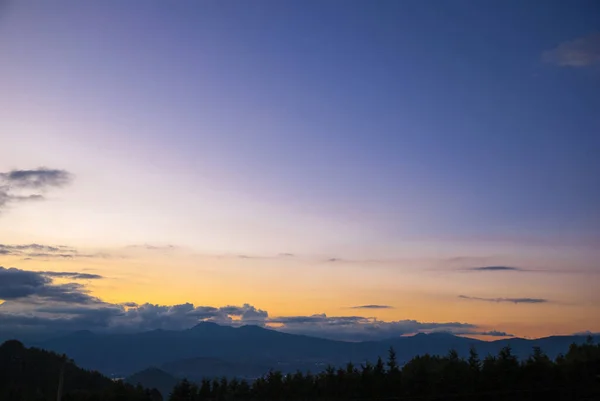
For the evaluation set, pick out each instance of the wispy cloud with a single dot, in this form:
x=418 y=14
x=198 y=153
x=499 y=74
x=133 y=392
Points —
x=16 y=185
x=372 y=307
x=73 y=275
x=580 y=52
x=507 y=300
x=495 y=268
x=39 y=251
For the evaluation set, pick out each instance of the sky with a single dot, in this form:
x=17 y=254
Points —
x=348 y=169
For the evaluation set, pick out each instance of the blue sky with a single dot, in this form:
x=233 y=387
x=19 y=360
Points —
x=346 y=129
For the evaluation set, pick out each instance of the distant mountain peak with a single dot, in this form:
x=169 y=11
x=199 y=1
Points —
x=252 y=327
x=209 y=327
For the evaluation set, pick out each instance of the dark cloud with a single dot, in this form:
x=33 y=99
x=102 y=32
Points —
x=510 y=300
x=39 y=178
x=18 y=284
x=286 y=255
x=15 y=184
x=577 y=53
x=495 y=268
x=372 y=307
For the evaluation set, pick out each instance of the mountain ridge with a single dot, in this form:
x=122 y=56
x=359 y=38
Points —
x=125 y=353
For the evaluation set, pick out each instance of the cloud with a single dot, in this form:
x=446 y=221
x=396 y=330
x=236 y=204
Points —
x=6 y=197
x=38 y=251
x=73 y=275
x=34 y=302
x=358 y=328
x=372 y=307
x=36 y=247
x=580 y=52
x=494 y=333
x=39 y=178
x=17 y=284
x=15 y=184
x=510 y=300
x=495 y=268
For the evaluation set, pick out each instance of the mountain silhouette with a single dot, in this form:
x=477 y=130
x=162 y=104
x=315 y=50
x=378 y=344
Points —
x=254 y=348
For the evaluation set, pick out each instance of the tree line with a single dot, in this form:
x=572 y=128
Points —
x=574 y=376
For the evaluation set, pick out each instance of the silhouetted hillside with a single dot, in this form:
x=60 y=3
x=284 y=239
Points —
x=30 y=374
x=154 y=378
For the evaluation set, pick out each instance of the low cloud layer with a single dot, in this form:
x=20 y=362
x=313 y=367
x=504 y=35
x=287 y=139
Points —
x=577 y=53
x=358 y=328
x=18 y=186
x=507 y=300
x=35 y=302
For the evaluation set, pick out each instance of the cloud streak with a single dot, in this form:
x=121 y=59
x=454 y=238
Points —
x=73 y=275
x=495 y=269
x=38 y=251
x=372 y=307
x=507 y=300
x=577 y=53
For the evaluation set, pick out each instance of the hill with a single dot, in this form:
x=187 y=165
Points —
x=30 y=374
x=154 y=378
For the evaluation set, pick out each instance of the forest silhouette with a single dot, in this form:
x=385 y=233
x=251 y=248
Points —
x=31 y=374
x=573 y=376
